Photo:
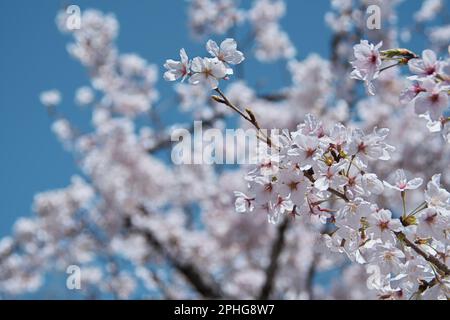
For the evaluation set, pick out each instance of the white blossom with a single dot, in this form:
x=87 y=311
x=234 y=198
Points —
x=433 y=101
x=207 y=71
x=50 y=98
x=427 y=66
x=84 y=96
x=381 y=225
x=367 y=64
x=177 y=69
x=227 y=52
x=400 y=182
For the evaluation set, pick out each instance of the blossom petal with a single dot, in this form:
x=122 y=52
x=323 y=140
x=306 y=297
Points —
x=414 y=183
x=322 y=184
x=212 y=48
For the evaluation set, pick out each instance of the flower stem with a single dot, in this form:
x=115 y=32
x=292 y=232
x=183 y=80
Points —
x=421 y=207
x=389 y=67
x=403 y=194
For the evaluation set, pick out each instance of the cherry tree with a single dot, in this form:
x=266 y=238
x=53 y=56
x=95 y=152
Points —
x=346 y=202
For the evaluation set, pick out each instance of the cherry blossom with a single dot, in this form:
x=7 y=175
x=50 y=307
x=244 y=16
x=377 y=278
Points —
x=207 y=71
x=388 y=257
x=431 y=223
x=367 y=64
x=430 y=89
x=429 y=10
x=427 y=66
x=410 y=93
x=84 y=96
x=50 y=98
x=177 y=69
x=437 y=197
x=272 y=43
x=433 y=100
x=402 y=184
x=328 y=176
x=214 y=16
x=306 y=153
x=381 y=225
x=227 y=52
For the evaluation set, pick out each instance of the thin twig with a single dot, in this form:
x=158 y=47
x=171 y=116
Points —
x=232 y=106
x=391 y=66
x=248 y=117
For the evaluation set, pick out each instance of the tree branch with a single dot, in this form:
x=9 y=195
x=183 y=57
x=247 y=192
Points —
x=311 y=275
x=400 y=235
x=205 y=286
x=272 y=268
x=431 y=259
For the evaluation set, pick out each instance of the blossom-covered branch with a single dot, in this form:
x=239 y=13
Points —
x=339 y=187
x=430 y=80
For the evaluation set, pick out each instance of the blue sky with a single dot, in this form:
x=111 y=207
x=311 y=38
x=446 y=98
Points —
x=33 y=58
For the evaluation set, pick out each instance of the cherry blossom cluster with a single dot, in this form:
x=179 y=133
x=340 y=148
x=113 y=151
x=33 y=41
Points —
x=127 y=80
x=429 y=12
x=323 y=175
x=140 y=227
x=208 y=17
x=206 y=71
x=312 y=166
x=221 y=16
x=430 y=87
x=151 y=225
x=272 y=43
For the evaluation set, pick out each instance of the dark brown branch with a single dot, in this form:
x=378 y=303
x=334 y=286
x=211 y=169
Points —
x=430 y=258
x=273 y=97
x=204 y=285
x=400 y=235
x=272 y=268
x=311 y=275
x=165 y=291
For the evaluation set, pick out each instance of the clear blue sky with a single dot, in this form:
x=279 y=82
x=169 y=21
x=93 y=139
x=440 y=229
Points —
x=33 y=58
